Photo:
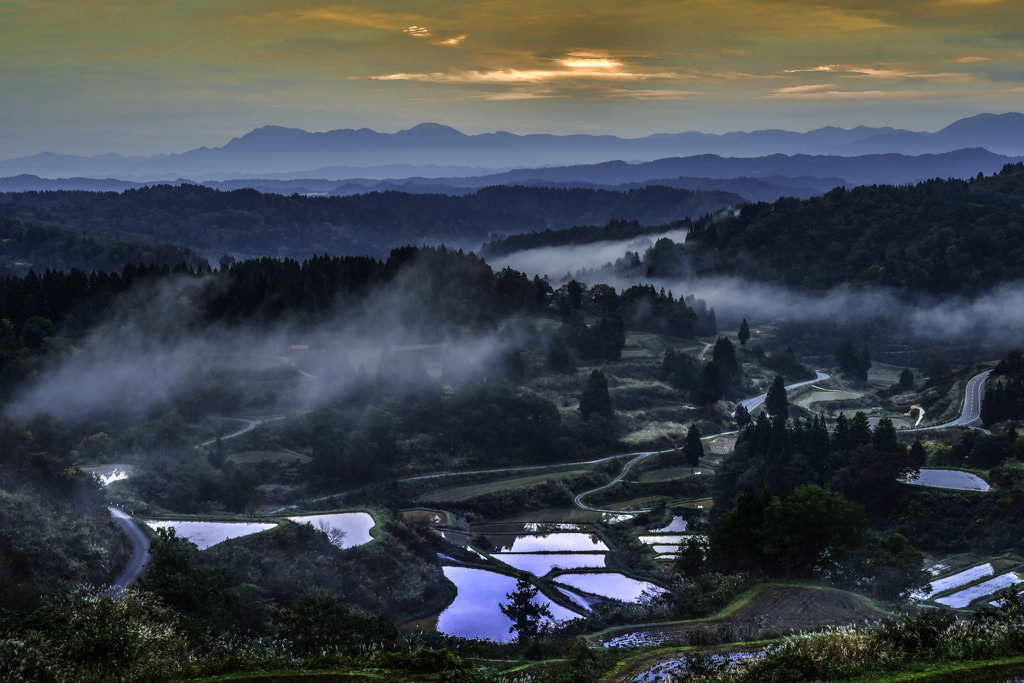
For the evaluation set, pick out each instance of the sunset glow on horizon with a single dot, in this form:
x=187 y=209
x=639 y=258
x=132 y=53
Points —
x=144 y=77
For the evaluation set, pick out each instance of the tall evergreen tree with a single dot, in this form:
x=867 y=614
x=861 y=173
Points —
x=527 y=616
x=860 y=430
x=693 y=450
x=595 y=399
x=776 y=402
x=744 y=333
x=709 y=385
x=918 y=456
x=742 y=416
x=884 y=437
x=724 y=358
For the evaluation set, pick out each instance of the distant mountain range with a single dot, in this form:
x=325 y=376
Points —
x=755 y=179
x=277 y=152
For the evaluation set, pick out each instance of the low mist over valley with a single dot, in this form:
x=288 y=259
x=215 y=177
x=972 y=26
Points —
x=473 y=342
x=573 y=423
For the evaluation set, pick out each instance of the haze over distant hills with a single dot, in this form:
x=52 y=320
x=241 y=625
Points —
x=754 y=179
x=339 y=154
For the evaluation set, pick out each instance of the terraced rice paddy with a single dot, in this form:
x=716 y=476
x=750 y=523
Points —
x=663 y=549
x=562 y=542
x=677 y=524
x=822 y=396
x=475 y=611
x=674 y=539
x=950 y=479
x=961 y=579
x=354 y=526
x=609 y=585
x=676 y=668
x=206 y=534
x=108 y=474
x=540 y=564
x=671 y=473
x=457 y=493
x=965 y=597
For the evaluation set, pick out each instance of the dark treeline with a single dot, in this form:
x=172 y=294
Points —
x=940 y=237
x=782 y=474
x=863 y=464
x=437 y=289
x=794 y=500
x=252 y=223
x=368 y=423
x=1004 y=391
x=47 y=247
x=616 y=230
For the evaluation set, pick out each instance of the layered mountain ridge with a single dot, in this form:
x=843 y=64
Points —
x=276 y=150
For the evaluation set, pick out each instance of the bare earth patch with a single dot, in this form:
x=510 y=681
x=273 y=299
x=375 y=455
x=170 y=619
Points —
x=776 y=609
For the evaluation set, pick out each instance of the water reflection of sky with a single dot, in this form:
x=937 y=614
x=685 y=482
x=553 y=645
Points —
x=554 y=542
x=540 y=564
x=108 y=474
x=677 y=524
x=475 y=612
x=205 y=534
x=950 y=479
x=610 y=585
x=355 y=526
x=676 y=669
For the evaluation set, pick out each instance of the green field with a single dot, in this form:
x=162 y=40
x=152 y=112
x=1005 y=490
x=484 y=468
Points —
x=473 y=490
x=286 y=457
x=823 y=396
x=670 y=473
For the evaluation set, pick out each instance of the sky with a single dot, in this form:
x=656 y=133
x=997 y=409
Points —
x=153 y=76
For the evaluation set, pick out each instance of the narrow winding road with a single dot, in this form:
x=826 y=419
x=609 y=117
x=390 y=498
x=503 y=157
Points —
x=751 y=403
x=970 y=410
x=970 y=416
x=139 y=542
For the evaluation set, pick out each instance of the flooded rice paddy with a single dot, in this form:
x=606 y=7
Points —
x=206 y=534
x=950 y=479
x=968 y=595
x=108 y=474
x=666 y=549
x=674 y=539
x=677 y=524
x=677 y=668
x=475 y=613
x=610 y=585
x=354 y=527
x=540 y=564
x=562 y=542
x=962 y=578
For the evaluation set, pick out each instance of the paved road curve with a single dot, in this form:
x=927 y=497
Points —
x=751 y=403
x=139 y=542
x=970 y=411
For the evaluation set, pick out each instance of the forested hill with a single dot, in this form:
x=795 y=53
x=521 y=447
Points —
x=35 y=247
x=615 y=231
x=940 y=237
x=248 y=223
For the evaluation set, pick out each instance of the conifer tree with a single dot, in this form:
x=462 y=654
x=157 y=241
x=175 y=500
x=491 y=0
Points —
x=693 y=450
x=527 y=616
x=595 y=399
x=776 y=402
x=744 y=333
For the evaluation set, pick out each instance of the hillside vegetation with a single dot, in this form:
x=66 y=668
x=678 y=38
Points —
x=941 y=237
x=248 y=223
